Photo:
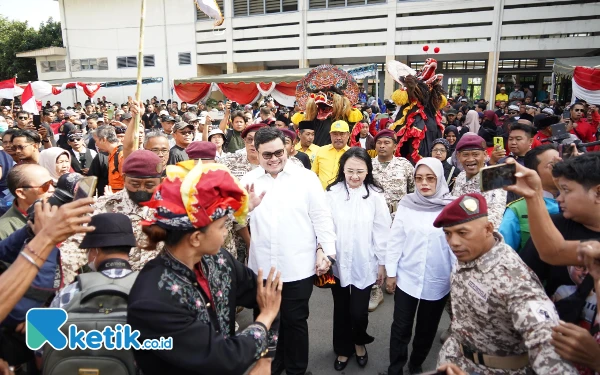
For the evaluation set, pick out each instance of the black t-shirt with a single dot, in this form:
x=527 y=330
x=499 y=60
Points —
x=304 y=159
x=150 y=121
x=554 y=276
x=176 y=155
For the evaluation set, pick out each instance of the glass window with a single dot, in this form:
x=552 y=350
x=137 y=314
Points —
x=240 y=7
x=185 y=58
x=126 y=62
x=454 y=86
x=89 y=64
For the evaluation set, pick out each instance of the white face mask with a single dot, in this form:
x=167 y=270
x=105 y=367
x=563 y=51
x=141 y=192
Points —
x=92 y=263
x=3 y=126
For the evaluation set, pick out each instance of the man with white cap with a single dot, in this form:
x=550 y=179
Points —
x=502 y=96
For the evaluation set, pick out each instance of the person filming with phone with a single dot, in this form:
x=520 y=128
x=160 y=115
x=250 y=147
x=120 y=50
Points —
x=583 y=129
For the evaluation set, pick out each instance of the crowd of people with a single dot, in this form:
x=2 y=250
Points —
x=198 y=218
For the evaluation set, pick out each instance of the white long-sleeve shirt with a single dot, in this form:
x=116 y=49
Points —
x=362 y=227
x=418 y=255
x=289 y=222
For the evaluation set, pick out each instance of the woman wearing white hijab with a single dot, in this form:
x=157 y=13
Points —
x=472 y=121
x=56 y=160
x=418 y=263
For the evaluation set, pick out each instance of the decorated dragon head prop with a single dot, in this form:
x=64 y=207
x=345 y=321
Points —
x=326 y=92
x=420 y=97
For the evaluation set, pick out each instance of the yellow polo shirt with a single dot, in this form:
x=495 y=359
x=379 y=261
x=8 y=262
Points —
x=501 y=97
x=311 y=151
x=327 y=162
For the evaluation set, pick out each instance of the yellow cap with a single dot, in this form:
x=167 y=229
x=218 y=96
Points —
x=340 y=126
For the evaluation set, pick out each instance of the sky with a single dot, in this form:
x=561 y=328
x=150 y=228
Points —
x=33 y=11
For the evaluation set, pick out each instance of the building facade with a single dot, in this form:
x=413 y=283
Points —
x=484 y=44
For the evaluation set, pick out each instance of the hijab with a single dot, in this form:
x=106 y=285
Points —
x=472 y=121
x=48 y=160
x=453 y=129
x=416 y=201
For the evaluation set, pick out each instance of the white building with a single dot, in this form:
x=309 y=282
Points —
x=482 y=42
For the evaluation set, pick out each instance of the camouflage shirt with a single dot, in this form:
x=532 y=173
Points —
x=496 y=199
x=500 y=308
x=72 y=257
x=397 y=179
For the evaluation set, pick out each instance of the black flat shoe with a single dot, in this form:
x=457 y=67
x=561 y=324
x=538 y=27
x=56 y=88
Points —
x=362 y=360
x=339 y=365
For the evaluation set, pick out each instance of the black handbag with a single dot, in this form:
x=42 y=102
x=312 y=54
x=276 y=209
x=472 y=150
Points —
x=570 y=308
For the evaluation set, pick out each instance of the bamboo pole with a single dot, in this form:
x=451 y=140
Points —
x=138 y=90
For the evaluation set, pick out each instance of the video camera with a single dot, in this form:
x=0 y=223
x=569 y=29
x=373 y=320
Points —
x=234 y=106
x=63 y=193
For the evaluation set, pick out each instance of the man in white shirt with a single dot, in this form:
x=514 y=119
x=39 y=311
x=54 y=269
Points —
x=286 y=227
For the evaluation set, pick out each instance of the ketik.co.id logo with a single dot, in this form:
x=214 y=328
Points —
x=43 y=325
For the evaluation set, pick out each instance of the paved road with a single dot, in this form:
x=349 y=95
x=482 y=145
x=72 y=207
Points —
x=320 y=326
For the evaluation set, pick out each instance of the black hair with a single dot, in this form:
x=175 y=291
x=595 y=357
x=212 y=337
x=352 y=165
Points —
x=22 y=113
x=266 y=135
x=116 y=249
x=9 y=132
x=48 y=112
x=483 y=106
x=369 y=182
x=531 y=160
x=528 y=129
x=31 y=136
x=583 y=169
x=238 y=114
x=157 y=234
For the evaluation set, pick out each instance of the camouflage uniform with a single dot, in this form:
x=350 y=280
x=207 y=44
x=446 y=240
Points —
x=397 y=180
x=500 y=309
x=72 y=257
x=496 y=199
x=238 y=164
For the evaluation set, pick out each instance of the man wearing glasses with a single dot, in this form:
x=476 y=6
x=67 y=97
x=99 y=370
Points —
x=184 y=135
x=27 y=183
x=26 y=144
x=581 y=127
x=81 y=157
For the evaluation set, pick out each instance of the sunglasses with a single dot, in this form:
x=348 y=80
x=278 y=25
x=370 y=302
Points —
x=73 y=139
x=512 y=113
x=578 y=110
x=269 y=155
x=44 y=187
x=23 y=118
x=21 y=148
x=429 y=179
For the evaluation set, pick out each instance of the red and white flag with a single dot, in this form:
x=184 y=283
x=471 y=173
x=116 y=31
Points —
x=586 y=84
x=9 y=89
x=28 y=101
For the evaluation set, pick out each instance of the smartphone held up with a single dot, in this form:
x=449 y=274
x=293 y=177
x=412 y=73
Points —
x=497 y=176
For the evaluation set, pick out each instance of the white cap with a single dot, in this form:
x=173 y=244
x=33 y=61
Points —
x=503 y=88
x=548 y=111
x=163 y=113
x=513 y=108
x=215 y=131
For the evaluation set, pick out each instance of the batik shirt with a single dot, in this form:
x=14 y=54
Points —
x=496 y=199
x=397 y=179
x=72 y=257
x=500 y=308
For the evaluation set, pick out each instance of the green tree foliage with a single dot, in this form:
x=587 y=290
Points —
x=17 y=36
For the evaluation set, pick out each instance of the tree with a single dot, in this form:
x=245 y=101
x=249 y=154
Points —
x=17 y=36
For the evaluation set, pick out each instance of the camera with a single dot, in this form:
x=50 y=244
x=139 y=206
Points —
x=234 y=106
x=63 y=193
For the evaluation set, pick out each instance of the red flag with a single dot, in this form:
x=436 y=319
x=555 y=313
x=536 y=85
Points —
x=28 y=100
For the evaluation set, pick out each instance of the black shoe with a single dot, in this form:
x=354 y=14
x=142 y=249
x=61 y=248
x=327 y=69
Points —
x=362 y=360
x=339 y=365
x=414 y=369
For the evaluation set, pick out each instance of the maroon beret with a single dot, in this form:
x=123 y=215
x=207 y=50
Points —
x=461 y=210
x=252 y=128
x=289 y=134
x=471 y=142
x=387 y=133
x=201 y=150
x=143 y=164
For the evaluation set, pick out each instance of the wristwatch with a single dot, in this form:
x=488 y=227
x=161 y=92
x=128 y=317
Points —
x=332 y=260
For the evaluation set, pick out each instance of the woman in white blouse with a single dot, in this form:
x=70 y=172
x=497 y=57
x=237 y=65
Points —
x=418 y=262
x=362 y=223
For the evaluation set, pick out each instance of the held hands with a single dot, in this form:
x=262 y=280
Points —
x=528 y=183
x=390 y=284
x=323 y=264
x=268 y=296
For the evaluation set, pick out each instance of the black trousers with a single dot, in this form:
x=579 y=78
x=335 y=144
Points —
x=428 y=315
x=292 y=345
x=350 y=318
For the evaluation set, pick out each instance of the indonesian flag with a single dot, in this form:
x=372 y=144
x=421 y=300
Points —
x=586 y=84
x=211 y=9
x=42 y=89
x=28 y=101
x=9 y=89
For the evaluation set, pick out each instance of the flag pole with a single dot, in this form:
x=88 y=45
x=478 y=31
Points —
x=138 y=90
